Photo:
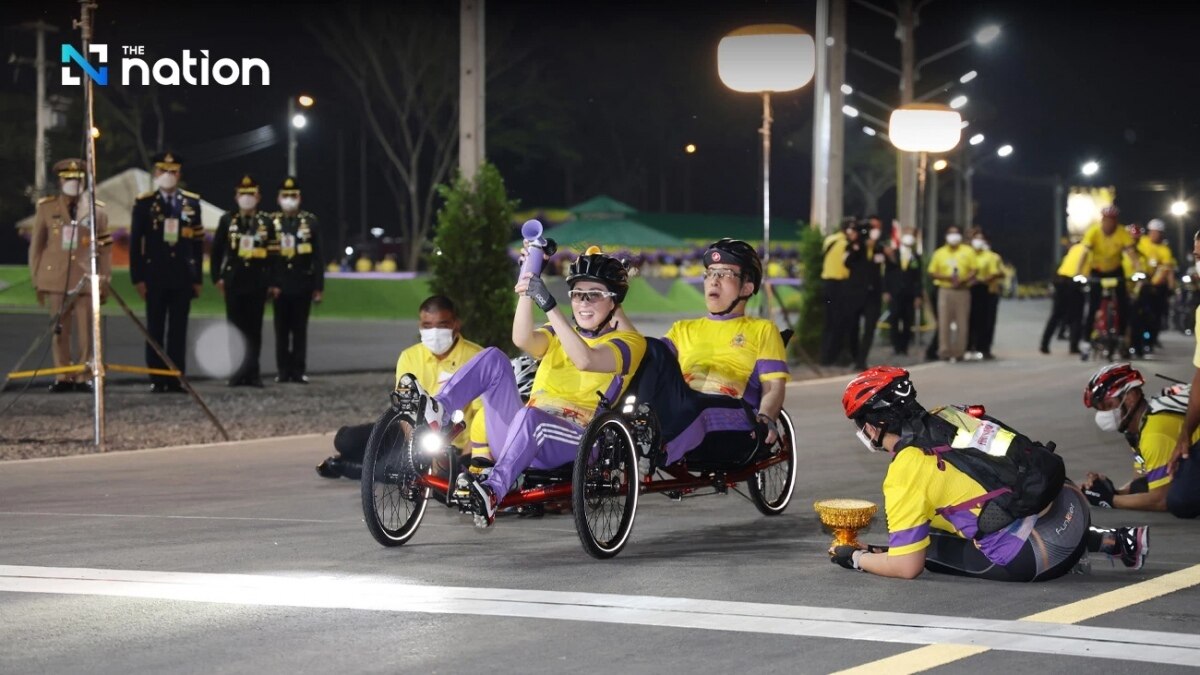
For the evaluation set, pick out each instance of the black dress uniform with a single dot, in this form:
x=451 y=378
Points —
x=301 y=280
x=902 y=281
x=245 y=253
x=166 y=250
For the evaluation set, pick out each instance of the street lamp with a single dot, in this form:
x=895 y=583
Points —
x=295 y=120
x=987 y=34
x=1090 y=168
x=976 y=139
x=958 y=101
x=940 y=165
x=1004 y=150
x=1179 y=208
x=924 y=128
x=766 y=58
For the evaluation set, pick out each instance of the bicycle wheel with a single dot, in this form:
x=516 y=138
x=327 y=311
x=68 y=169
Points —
x=605 y=485
x=392 y=501
x=771 y=489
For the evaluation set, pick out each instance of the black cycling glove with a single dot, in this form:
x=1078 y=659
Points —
x=844 y=556
x=540 y=294
x=1100 y=493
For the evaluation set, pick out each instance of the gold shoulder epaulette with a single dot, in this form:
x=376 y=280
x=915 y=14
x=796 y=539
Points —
x=99 y=203
x=43 y=200
x=189 y=194
x=146 y=195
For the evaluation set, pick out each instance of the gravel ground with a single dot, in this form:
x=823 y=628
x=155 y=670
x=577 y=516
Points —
x=41 y=424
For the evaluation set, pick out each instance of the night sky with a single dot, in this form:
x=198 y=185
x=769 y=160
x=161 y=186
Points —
x=1066 y=82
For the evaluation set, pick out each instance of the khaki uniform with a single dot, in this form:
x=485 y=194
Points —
x=59 y=253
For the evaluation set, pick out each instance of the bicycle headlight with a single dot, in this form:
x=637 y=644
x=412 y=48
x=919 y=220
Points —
x=430 y=442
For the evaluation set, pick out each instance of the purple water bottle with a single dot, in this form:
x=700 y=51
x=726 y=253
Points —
x=535 y=247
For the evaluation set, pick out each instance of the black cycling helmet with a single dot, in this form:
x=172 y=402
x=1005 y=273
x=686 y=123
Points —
x=736 y=252
x=602 y=269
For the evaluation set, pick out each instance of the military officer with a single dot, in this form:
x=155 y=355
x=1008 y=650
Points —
x=301 y=282
x=59 y=253
x=166 y=249
x=245 y=252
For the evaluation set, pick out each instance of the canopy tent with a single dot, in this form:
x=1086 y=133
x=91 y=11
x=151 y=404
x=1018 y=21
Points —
x=704 y=228
x=601 y=207
x=118 y=194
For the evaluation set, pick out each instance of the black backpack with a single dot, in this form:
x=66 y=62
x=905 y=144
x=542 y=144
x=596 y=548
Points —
x=1021 y=476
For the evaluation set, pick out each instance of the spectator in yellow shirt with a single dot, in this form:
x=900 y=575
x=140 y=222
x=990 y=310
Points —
x=952 y=268
x=985 y=296
x=1107 y=243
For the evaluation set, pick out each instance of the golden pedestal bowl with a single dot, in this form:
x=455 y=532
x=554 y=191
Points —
x=845 y=517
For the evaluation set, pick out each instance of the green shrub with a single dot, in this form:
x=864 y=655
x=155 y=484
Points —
x=811 y=320
x=470 y=263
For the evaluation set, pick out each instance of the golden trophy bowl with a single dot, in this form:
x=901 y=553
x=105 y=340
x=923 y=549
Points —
x=845 y=517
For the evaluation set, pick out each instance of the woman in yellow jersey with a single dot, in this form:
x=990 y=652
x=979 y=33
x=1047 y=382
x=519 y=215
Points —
x=933 y=508
x=577 y=361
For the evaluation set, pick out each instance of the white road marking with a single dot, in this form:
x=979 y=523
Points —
x=373 y=594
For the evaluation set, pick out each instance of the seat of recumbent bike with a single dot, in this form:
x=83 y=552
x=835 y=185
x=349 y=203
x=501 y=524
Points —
x=659 y=382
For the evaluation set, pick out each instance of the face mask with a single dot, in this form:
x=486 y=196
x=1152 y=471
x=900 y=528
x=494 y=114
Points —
x=247 y=202
x=289 y=203
x=978 y=244
x=166 y=181
x=908 y=240
x=954 y=239
x=72 y=188
x=1109 y=420
x=874 y=235
x=438 y=340
x=866 y=440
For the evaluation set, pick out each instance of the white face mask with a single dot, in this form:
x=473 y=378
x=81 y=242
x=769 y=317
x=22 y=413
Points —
x=978 y=244
x=1109 y=420
x=866 y=440
x=874 y=234
x=289 y=203
x=908 y=240
x=72 y=188
x=954 y=239
x=166 y=181
x=438 y=340
x=247 y=202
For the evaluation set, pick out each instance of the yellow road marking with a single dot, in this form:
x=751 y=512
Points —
x=932 y=656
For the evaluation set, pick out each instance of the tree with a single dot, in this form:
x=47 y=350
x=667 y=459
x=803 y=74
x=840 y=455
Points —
x=134 y=111
x=871 y=170
x=473 y=233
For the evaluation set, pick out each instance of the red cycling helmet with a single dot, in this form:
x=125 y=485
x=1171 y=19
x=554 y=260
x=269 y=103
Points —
x=876 y=390
x=1110 y=211
x=1111 y=382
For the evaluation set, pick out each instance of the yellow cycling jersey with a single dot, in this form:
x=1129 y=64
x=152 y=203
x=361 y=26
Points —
x=946 y=261
x=913 y=491
x=1106 y=249
x=834 y=265
x=433 y=372
x=1127 y=264
x=1196 y=332
x=1070 y=263
x=988 y=265
x=729 y=355
x=1159 y=260
x=563 y=390
x=1156 y=443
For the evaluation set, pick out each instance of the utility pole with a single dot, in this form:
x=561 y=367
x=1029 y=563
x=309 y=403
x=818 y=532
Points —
x=906 y=185
x=828 y=122
x=39 y=28
x=471 y=147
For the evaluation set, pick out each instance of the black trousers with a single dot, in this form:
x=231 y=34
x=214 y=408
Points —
x=903 y=312
x=984 y=306
x=291 y=334
x=1142 y=317
x=1067 y=309
x=931 y=352
x=841 y=331
x=871 y=308
x=167 y=322
x=245 y=312
x=1161 y=304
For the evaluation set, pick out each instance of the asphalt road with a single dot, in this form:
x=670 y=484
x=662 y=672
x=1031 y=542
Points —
x=237 y=558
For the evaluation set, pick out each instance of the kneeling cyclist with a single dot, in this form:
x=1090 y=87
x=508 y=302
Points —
x=577 y=362
x=1151 y=427
x=935 y=510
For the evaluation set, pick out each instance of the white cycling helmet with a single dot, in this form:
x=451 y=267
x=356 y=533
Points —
x=524 y=368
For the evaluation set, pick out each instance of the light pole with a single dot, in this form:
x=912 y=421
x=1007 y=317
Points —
x=924 y=128
x=295 y=121
x=910 y=71
x=761 y=59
